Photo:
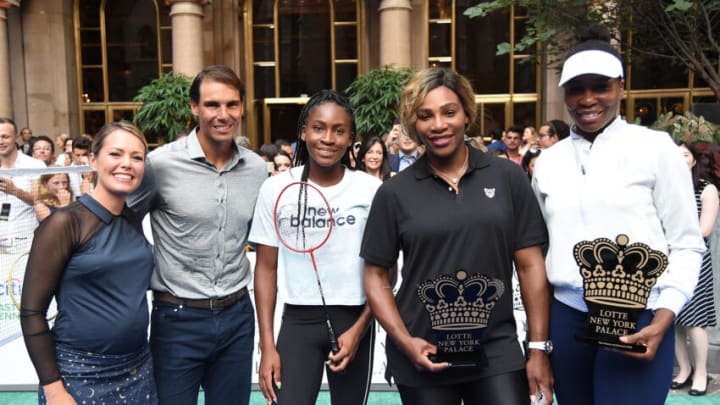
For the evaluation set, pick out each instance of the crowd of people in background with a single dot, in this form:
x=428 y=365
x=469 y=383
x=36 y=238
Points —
x=381 y=156
x=521 y=190
x=385 y=156
x=520 y=144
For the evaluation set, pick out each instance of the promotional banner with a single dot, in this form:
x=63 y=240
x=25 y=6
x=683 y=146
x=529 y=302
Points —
x=22 y=374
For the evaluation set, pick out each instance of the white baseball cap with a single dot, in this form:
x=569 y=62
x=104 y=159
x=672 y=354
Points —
x=591 y=61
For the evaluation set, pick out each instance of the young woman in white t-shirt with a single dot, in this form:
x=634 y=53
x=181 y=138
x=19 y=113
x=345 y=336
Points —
x=291 y=370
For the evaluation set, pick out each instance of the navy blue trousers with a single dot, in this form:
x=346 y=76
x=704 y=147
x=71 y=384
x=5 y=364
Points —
x=194 y=347
x=591 y=375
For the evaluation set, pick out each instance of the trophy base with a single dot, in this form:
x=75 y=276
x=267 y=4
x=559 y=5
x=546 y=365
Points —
x=611 y=342
x=464 y=359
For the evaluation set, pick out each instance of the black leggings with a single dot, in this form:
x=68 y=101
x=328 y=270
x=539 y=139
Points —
x=504 y=389
x=303 y=345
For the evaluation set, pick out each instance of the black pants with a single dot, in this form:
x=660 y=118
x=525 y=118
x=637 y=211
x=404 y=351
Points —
x=504 y=389
x=304 y=345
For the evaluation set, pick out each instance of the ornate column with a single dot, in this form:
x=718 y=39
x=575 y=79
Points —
x=395 y=32
x=6 y=109
x=553 y=96
x=187 y=44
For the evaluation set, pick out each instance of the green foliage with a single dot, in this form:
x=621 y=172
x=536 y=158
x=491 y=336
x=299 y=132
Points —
x=679 y=5
x=688 y=128
x=485 y=9
x=375 y=97
x=165 y=111
x=683 y=32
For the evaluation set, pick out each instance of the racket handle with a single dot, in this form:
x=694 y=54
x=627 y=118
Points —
x=334 y=347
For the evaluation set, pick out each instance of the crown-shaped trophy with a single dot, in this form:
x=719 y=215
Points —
x=617 y=280
x=459 y=308
x=460 y=302
x=619 y=274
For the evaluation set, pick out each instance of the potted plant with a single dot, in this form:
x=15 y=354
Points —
x=688 y=128
x=692 y=130
x=375 y=97
x=165 y=111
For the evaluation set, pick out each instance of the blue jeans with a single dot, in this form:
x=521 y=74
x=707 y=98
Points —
x=193 y=347
x=591 y=375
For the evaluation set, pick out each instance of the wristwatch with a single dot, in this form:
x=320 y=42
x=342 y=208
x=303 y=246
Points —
x=544 y=345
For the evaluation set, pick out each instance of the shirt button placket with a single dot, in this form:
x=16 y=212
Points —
x=221 y=218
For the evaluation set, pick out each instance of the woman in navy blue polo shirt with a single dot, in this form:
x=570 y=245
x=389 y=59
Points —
x=93 y=257
x=461 y=218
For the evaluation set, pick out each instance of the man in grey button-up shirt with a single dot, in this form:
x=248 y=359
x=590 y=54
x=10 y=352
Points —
x=200 y=192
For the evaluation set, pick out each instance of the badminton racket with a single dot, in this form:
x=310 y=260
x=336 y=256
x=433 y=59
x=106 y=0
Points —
x=303 y=222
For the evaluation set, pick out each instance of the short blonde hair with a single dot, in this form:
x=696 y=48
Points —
x=427 y=80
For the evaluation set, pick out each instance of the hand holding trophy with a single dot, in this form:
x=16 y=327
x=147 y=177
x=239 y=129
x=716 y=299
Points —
x=617 y=279
x=459 y=308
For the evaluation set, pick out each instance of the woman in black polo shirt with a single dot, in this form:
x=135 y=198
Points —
x=461 y=218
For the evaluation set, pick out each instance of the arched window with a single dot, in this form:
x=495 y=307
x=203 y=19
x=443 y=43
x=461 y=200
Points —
x=506 y=86
x=121 y=46
x=298 y=47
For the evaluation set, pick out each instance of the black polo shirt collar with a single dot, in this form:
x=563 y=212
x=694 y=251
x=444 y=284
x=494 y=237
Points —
x=476 y=160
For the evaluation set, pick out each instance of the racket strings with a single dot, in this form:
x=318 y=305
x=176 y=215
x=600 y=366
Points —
x=303 y=218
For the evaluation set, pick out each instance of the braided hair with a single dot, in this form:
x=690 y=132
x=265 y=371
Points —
x=302 y=156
